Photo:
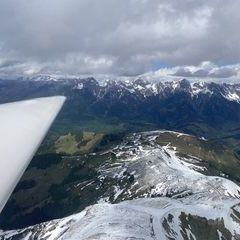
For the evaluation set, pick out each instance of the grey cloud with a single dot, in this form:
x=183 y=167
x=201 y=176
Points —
x=182 y=72
x=207 y=70
x=225 y=72
x=126 y=37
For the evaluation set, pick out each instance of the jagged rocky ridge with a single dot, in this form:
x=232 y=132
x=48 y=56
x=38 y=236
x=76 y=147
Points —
x=171 y=105
x=172 y=198
x=148 y=88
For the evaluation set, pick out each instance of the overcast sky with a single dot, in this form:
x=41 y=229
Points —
x=122 y=37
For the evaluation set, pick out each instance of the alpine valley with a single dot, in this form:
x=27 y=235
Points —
x=130 y=159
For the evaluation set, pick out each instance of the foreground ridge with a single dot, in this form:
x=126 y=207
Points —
x=175 y=199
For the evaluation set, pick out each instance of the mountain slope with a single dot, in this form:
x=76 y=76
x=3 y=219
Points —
x=171 y=198
x=157 y=218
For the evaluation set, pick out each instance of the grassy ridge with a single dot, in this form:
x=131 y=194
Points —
x=218 y=157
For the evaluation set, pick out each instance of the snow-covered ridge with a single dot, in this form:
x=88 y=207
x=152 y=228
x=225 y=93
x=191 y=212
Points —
x=158 y=171
x=169 y=194
x=143 y=87
x=230 y=92
x=149 y=218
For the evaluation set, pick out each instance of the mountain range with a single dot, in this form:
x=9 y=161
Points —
x=108 y=170
x=175 y=104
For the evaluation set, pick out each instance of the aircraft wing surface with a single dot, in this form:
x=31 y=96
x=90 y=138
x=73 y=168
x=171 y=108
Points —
x=23 y=126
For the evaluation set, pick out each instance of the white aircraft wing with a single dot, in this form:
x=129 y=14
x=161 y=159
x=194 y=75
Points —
x=23 y=126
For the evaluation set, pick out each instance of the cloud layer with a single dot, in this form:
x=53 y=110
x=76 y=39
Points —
x=126 y=37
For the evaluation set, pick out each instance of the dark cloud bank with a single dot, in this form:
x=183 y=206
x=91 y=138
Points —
x=126 y=37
